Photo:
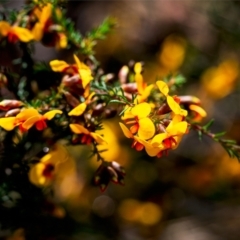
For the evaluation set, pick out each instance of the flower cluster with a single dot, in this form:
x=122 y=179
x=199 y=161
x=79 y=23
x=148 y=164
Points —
x=80 y=96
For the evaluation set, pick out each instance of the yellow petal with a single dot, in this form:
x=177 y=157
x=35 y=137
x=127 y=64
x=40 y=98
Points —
x=163 y=87
x=62 y=43
x=153 y=151
x=178 y=129
x=31 y=121
x=157 y=140
x=27 y=113
x=37 y=31
x=51 y=114
x=35 y=175
x=138 y=68
x=146 y=92
x=79 y=110
x=198 y=110
x=98 y=138
x=146 y=128
x=77 y=61
x=78 y=129
x=7 y=123
x=141 y=110
x=4 y=28
x=126 y=131
x=23 y=34
x=58 y=66
x=85 y=75
x=173 y=105
x=45 y=14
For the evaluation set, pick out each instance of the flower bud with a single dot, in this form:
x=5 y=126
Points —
x=71 y=99
x=123 y=74
x=189 y=100
x=70 y=81
x=7 y=104
x=12 y=112
x=109 y=171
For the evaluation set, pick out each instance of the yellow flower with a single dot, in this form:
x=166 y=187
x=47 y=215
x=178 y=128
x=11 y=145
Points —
x=173 y=135
x=139 y=144
x=15 y=33
x=27 y=118
x=72 y=69
x=44 y=172
x=86 y=137
x=46 y=26
x=219 y=81
x=174 y=106
x=142 y=124
x=143 y=90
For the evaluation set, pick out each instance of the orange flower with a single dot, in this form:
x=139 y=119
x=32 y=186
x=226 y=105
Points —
x=27 y=118
x=87 y=137
x=72 y=69
x=15 y=33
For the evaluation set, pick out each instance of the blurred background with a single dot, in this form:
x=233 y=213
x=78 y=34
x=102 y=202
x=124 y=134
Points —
x=194 y=193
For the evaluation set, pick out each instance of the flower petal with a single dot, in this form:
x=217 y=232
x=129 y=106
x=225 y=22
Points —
x=141 y=110
x=58 y=66
x=7 y=123
x=78 y=129
x=178 y=129
x=37 y=31
x=23 y=34
x=51 y=114
x=163 y=87
x=79 y=110
x=4 y=28
x=31 y=121
x=138 y=68
x=157 y=140
x=98 y=138
x=146 y=128
x=126 y=131
x=27 y=113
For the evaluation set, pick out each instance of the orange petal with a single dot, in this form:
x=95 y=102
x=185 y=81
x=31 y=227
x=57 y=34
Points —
x=7 y=123
x=51 y=114
x=27 y=113
x=31 y=121
x=37 y=31
x=146 y=128
x=46 y=13
x=163 y=87
x=4 y=28
x=198 y=110
x=58 y=66
x=126 y=131
x=78 y=129
x=79 y=110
